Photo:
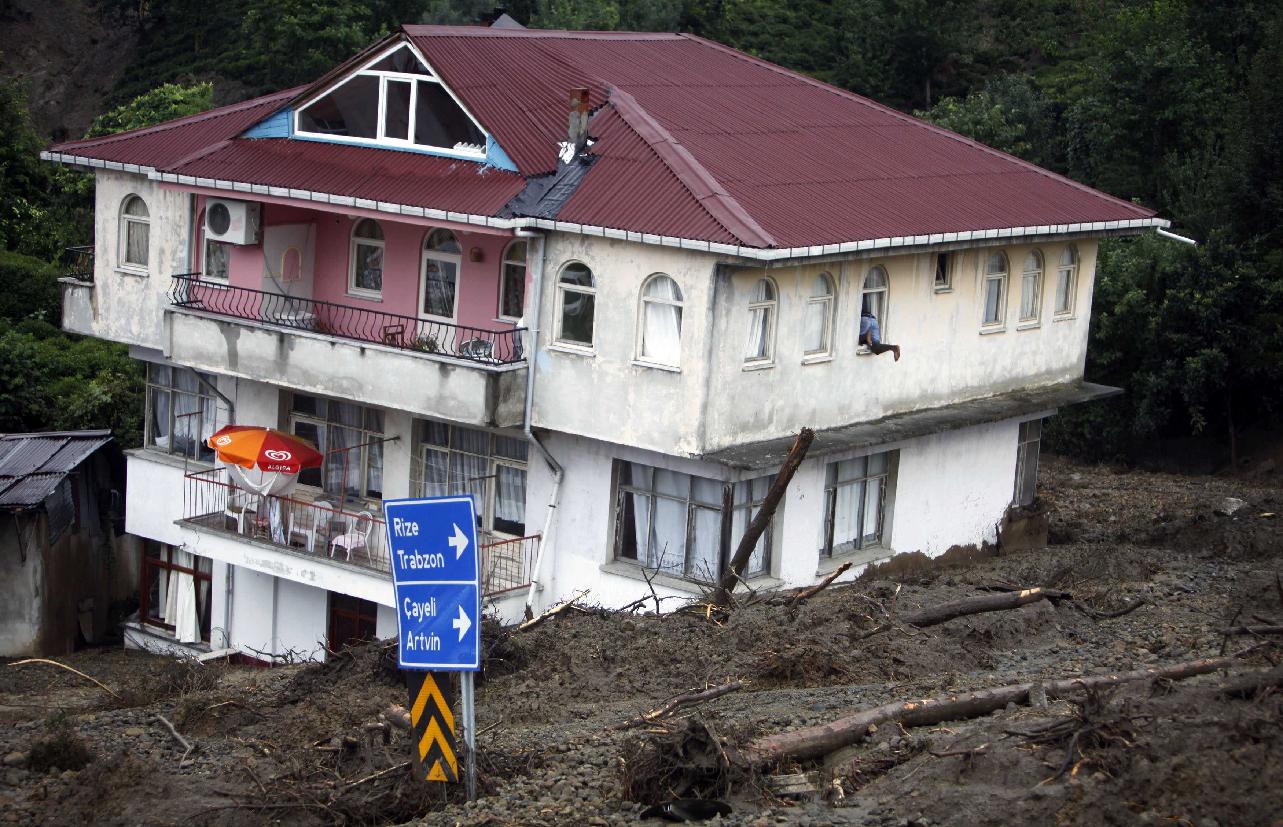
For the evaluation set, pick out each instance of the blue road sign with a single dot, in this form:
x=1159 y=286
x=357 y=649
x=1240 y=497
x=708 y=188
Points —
x=436 y=575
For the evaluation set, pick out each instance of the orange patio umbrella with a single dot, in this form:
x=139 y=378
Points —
x=268 y=449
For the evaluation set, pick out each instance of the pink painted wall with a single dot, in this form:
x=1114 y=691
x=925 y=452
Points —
x=478 y=296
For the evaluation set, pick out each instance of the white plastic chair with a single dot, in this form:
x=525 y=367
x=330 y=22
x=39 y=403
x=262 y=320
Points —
x=356 y=537
x=321 y=511
x=238 y=510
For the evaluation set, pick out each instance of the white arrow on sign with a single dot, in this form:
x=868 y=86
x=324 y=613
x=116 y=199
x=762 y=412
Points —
x=462 y=623
x=459 y=542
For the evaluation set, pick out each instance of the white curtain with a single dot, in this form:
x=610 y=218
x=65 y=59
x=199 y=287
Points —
x=1029 y=295
x=993 y=300
x=180 y=600
x=662 y=331
x=759 y=321
x=510 y=497
x=667 y=549
x=136 y=242
x=817 y=311
x=1063 y=282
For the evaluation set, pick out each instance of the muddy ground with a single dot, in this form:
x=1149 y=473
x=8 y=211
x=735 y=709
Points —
x=269 y=744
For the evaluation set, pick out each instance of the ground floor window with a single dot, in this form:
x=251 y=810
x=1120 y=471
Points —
x=855 y=495
x=491 y=467
x=673 y=522
x=1027 y=462
x=174 y=592
x=352 y=620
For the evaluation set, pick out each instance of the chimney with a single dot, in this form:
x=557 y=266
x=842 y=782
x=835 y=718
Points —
x=577 y=129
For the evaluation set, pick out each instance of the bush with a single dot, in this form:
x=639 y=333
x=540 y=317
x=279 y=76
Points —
x=28 y=289
x=60 y=749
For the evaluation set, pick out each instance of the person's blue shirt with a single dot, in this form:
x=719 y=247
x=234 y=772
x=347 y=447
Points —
x=869 y=324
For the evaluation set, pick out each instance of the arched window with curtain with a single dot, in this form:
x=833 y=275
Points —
x=512 y=281
x=995 y=289
x=365 y=272
x=874 y=295
x=1031 y=288
x=135 y=234
x=576 y=303
x=817 y=330
x=1066 y=281
x=763 y=304
x=439 y=284
x=660 y=326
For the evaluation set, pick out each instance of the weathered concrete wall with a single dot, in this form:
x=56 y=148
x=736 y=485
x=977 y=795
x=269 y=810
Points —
x=605 y=393
x=946 y=355
x=22 y=588
x=367 y=373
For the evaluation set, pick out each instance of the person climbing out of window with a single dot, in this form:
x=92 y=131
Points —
x=871 y=336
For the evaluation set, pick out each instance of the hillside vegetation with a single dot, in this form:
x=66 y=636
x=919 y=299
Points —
x=1173 y=103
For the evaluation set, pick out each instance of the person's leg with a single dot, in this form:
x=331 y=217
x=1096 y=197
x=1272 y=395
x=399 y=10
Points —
x=878 y=348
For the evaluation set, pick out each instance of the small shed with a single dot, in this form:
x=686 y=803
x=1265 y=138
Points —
x=62 y=560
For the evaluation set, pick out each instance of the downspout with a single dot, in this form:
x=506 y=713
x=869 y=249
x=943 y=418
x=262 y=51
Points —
x=532 y=342
x=1165 y=234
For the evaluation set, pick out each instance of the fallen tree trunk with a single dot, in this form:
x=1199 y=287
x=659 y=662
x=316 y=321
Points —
x=397 y=716
x=817 y=741
x=1252 y=630
x=935 y=615
x=1247 y=685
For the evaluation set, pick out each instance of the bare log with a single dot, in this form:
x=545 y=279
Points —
x=397 y=716
x=97 y=682
x=674 y=704
x=735 y=568
x=1252 y=630
x=553 y=612
x=1248 y=684
x=807 y=594
x=935 y=615
x=817 y=741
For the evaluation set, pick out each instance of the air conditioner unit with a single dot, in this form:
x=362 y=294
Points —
x=234 y=222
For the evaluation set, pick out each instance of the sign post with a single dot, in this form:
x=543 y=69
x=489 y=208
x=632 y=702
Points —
x=436 y=572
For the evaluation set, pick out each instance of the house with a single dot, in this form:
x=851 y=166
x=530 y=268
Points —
x=64 y=558
x=597 y=280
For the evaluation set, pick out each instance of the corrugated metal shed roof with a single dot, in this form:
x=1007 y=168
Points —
x=693 y=140
x=32 y=465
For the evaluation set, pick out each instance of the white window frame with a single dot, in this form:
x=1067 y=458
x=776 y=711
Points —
x=1037 y=277
x=829 y=304
x=945 y=286
x=770 y=307
x=358 y=461
x=643 y=302
x=562 y=289
x=1028 y=447
x=886 y=304
x=1004 y=279
x=205 y=273
x=490 y=482
x=1070 y=273
x=122 y=262
x=381 y=243
x=456 y=259
x=885 y=479
x=504 y=263
x=206 y=415
x=477 y=154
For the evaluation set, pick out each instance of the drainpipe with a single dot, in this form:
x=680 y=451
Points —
x=231 y=406
x=1175 y=237
x=532 y=337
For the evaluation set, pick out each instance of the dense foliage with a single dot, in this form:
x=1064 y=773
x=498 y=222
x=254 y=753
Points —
x=1173 y=103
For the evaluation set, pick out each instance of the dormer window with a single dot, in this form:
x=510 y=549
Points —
x=397 y=101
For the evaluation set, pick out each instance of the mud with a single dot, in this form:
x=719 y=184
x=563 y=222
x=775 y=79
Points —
x=291 y=745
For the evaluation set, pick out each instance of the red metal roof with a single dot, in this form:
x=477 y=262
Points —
x=693 y=140
x=409 y=178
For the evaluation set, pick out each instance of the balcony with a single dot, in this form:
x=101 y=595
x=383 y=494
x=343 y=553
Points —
x=466 y=374
x=80 y=264
x=347 y=536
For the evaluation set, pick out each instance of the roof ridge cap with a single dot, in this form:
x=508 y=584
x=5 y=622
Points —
x=912 y=121
x=429 y=30
x=697 y=180
x=196 y=117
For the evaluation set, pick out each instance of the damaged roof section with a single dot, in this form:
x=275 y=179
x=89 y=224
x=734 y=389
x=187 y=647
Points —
x=33 y=465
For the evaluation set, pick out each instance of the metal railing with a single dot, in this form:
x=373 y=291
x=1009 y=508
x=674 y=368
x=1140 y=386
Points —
x=496 y=347
x=80 y=263
x=321 y=529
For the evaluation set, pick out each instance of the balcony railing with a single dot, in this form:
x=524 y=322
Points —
x=358 y=537
x=471 y=344
x=80 y=263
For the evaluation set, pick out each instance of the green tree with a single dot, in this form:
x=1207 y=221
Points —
x=164 y=103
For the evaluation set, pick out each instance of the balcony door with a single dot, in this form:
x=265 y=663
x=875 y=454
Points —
x=439 y=277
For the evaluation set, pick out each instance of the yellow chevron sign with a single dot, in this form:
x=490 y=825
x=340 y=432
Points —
x=432 y=718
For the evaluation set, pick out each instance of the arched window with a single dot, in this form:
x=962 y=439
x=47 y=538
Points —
x=135 y=232
x=1031 y=288
x=1066 y=282
x=439 y=285
x=762 y=306
x=576 y=300
x=873 y=297
x=365 y=273
x=995 y=289
x=817 y=332
x=512 y=281
x=660 y=338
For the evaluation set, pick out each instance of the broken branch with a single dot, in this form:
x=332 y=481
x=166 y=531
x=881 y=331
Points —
x=97 y=682
x=687 y=699
x=553 y=612
x=188 y=745
x=1128 y=609
x=934 y=615
x=807 y=594
x=816 y=741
